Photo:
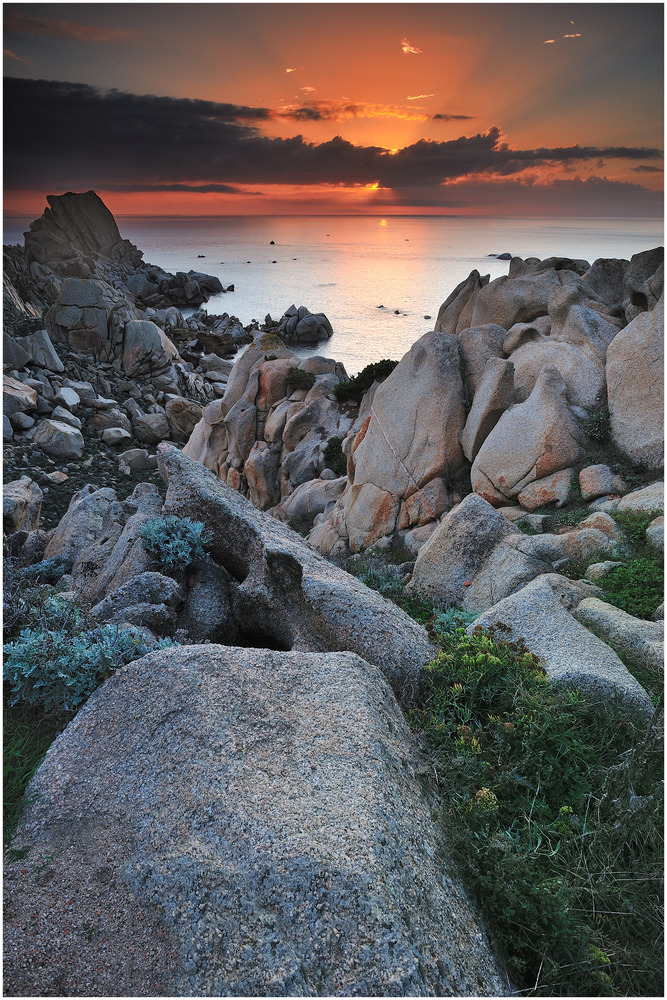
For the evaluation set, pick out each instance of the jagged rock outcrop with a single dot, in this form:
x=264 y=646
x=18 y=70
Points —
x=531 y=440
x=319 y=869
x=265 y=437
x=288 y=595
x=300 y=326
x=406 y=452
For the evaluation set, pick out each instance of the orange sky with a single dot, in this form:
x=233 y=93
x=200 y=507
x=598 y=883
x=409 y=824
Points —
x=526 y=108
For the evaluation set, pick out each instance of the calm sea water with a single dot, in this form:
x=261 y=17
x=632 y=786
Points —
x=347 y=267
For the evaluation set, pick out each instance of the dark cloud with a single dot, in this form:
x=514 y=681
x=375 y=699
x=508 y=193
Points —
x=64 y=136
x=17 y=23
x=451 y=118
x=643 y=168
x=197 y=188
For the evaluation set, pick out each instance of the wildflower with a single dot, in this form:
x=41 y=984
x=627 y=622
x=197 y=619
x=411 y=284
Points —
x=486 y=801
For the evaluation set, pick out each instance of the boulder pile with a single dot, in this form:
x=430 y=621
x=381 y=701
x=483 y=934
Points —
x=247 y=812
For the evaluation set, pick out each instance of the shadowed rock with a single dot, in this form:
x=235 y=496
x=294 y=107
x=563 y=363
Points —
x=289 y=596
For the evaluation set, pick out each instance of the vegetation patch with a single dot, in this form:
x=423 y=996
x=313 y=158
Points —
x=175 y=542
x=553 y=805
x=361 y=383
x=297 y=379
x=334 y=456
x=637 y=587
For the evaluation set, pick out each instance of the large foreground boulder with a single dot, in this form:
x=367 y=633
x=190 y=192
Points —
x=264 y=814
x=290 y=597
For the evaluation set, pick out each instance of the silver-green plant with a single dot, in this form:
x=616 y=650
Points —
x=176 y=542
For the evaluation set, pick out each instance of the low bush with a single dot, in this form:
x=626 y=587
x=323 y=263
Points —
x=57 y=669
x=634 y=523
x=597 y=424
x=297 y=379
x=552 y=805
x=361 y=383
x=637 y=587
x=334 y=456
x=175 y=542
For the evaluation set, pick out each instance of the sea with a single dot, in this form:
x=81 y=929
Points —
x=379 y=280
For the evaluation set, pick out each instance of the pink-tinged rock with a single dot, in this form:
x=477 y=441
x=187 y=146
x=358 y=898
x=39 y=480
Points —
x=531 y=441
x=494 y=395
x=507 y=301
x=418 y=413
x=599 y=481
x=427 y=504
x=635 y=388
x=478 y=345
x=551 y=489
x=261 y=472
x=458 y=302
x=17 y=397
x=370 y=513
x=272 y=375
x=183 y=416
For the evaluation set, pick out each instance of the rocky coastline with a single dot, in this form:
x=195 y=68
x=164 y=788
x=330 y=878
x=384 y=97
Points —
x=257 y=796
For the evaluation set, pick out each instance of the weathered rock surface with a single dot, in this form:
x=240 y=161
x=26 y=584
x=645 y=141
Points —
x=409 y=440
x=635 y=387
x=289 y=596
x=531 y=440
x=474 y=558
x=320 y=831
x=648 y=498
x=59 y=440
x=21 y=505
x=540 y=614
x=641 y=642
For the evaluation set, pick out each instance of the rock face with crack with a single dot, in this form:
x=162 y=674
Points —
x=266 y=809
x=288 y=596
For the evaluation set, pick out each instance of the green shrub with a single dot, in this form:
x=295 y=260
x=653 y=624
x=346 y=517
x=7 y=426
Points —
x=58 y=669
x=447 y=622
x=597 y=424
x=634 y=523
x=297 y=379
x=554 y=817
x=361 y=383
x=334 y=456
x=637 y=587
x=174 y=541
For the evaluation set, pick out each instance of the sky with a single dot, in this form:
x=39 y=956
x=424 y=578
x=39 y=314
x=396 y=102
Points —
x=490 y=109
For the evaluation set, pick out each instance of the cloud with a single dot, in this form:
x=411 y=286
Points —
x=100 y=139
x=198 y=188
x=8 y=54
x=341 y=110
x=408 y=49
x=308 y=90
x=291 y=69
x=644 y=169
x=555 y=41
x=24 y=24
x=451 y=118
x=419 y=97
